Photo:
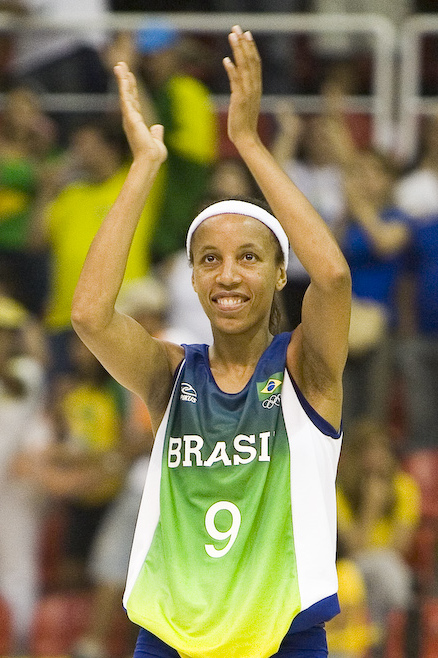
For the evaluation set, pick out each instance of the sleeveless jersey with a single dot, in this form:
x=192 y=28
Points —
x=236 y=536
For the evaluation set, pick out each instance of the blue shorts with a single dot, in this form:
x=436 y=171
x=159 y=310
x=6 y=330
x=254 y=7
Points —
x=306 y=644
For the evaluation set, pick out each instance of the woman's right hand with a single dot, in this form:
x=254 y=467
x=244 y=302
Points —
x=245 y=78
x=144 y=142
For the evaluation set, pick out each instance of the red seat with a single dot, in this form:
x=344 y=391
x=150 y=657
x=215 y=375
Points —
x=5 y=628
x=60 y=619
x=422 y=556
x=423 y=466
x=51 y=546
x=396 y=634
x=122 y=637
x=429 y=629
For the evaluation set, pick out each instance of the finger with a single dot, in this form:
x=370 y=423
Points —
x=246 y=56
x=157 y=131
x=121 y=72
x=127 y=87
x=251 y=51
x=244 y=43
x=230 y=69
x=235 y=41
x=133 y=88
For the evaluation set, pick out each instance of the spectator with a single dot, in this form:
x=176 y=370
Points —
x=182 y=104
x=312 y=152
x=146 y=301
x=83 y=467
x=373 y=238
x=378 y=512
x=417 y=194
x=159 y=5
x=27 y=137
x=16 y=9
x=67 y=223
x=350 y=634
x=60 y=60
x=22 y=434
x=355 y=46
x=230 y=177
x=278 y=50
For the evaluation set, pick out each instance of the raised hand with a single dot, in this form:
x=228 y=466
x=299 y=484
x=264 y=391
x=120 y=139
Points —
x=144 y=142
x=245 y=79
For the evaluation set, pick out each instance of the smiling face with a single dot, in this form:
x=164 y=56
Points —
x=237 y=267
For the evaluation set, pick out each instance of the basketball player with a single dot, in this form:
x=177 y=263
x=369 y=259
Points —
x=234 y=552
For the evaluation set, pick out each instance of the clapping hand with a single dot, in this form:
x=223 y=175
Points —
x=144 y=142
x=245 y=79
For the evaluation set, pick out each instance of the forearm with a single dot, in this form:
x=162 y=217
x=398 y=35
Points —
x=104 y=266
x=309 y=236
x=387 y=239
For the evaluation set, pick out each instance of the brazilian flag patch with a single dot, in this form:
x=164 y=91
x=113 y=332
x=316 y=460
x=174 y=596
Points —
x=272 y=385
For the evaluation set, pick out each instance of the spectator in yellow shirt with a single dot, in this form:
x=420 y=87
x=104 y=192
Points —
x=85 y=466
x=182 y=103
x=378 y=512
x=66 y=222
x=350 y=634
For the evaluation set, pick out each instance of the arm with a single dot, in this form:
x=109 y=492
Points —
x=318 y=350
x=138 y=361
x=387 y=238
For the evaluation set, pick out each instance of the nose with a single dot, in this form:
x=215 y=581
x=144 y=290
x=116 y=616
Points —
x=229 y=274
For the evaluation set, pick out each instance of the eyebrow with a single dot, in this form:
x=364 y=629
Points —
x=247 y=245
x=250 y=245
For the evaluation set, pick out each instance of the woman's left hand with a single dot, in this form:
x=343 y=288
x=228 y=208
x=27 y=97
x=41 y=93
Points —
x=143 y=141
x=245 y=79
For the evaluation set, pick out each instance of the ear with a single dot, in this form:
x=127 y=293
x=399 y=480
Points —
x=281 y=278
x=193 y=281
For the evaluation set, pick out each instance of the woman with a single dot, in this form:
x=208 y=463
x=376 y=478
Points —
x=378 y=512
x=217 y=569
x=373 y=239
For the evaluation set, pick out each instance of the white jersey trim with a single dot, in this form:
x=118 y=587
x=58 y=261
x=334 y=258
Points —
x=314 y=459
x=149 y=512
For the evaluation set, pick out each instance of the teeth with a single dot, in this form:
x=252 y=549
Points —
x=229 y=301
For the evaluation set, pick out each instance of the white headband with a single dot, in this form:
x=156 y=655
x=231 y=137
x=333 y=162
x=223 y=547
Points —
x=234 y=207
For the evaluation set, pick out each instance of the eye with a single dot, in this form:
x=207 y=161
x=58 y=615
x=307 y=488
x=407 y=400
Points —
x=209 y=258
x=249 y=257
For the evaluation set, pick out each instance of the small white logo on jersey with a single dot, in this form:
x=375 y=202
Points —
x=272 y=401
x=188 y=393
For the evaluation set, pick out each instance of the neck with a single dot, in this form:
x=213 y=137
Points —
x=233 y=359
x=239 y=350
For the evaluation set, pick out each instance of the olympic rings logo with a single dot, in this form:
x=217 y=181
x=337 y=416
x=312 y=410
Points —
x=272 y=401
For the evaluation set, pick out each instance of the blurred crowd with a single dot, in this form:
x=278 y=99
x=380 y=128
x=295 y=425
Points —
x=74 y=445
